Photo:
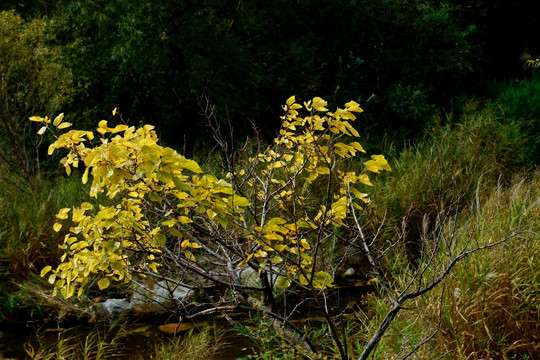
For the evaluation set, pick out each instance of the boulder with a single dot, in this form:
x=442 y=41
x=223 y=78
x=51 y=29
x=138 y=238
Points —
x=110 y=307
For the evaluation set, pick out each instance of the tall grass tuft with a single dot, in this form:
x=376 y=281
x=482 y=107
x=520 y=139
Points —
x=73 y=343
x=27 y=239
x=490 y=307
x=203 y=345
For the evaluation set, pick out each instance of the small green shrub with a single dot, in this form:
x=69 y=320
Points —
x=520 y=100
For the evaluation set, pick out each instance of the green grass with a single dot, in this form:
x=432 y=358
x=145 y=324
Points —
x=520 y=99
x=482 y=143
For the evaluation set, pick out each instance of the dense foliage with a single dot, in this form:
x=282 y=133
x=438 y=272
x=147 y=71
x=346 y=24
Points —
x=160 y=62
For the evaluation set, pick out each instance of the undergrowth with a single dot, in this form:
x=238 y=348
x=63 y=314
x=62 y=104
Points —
x=27 y=239
x=488 y=307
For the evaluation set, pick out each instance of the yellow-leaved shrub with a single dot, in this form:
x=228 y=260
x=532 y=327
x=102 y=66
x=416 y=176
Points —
x=164 y=212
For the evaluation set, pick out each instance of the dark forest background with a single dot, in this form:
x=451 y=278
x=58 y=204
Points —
x=159 y=62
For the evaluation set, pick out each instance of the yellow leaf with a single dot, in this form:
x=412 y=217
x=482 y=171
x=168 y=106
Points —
x=119 y=128
x=357 y=146
x=373 y=166
x=319 y=104
x=289 y=101
x=322 y=279
x=340 y=208
x=283 y=282
x=211 y=214
x=364 y=179
x=62 y=214
x=381 y=161
x=57 y=227
x=261 y=254
x=64 y=125
x=169 y=223
x=322 y=170
x=184 y=220
x=224 y=187
x=45 y=270
x=58 y=119
x=280 y=247
x=189 y=256
x=154 y=266
x=42 y=130
x=78 y=215
x=103 y=283
x=36 y=119
x=86 y=206
x=353 y=106
x=274 y=236
x=85 y=176
x=67 y=291
x=240 y=201
x=189 y=165
x=344 y=149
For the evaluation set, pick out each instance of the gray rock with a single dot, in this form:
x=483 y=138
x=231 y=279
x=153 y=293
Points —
x=110 y=307
x=348 y=272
